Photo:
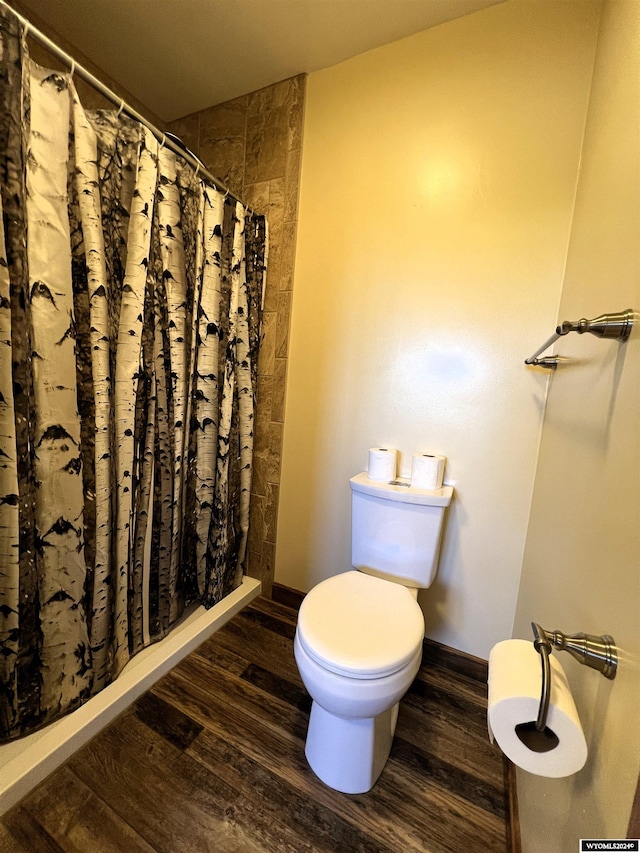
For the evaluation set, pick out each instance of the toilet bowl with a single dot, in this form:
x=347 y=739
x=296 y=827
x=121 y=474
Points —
x=358 y=642
x=358 y=647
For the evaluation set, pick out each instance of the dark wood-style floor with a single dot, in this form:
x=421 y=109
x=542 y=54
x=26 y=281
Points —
x=212 y=759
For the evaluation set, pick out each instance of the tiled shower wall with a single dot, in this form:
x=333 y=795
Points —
x=253 y=144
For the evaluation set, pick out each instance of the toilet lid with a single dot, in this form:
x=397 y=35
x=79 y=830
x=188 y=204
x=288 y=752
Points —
x=360 y=626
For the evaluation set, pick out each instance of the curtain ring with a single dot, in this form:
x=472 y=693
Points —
x=163 y=141
x=120 y=108
x=72 y=70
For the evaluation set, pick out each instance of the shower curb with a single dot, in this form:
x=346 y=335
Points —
x=26 y=762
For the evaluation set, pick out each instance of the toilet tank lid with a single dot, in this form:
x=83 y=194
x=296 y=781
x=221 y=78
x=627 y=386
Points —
x=401 y=490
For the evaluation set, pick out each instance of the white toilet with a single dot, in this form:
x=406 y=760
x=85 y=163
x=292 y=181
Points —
x=358 y=643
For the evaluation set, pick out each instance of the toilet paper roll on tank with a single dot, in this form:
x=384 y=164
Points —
x=515 y=680
x=383 y=462
x=427 y=469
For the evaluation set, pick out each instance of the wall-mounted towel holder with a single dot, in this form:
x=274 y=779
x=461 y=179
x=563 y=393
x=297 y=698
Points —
x=617 y=326
x=597 y=652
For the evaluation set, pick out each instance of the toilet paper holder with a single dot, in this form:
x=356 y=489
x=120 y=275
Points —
x=597 y=652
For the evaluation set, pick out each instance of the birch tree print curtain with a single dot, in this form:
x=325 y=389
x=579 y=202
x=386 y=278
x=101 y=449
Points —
x=130 y=301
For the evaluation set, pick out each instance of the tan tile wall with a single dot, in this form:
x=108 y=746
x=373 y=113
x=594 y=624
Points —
x=253 y=144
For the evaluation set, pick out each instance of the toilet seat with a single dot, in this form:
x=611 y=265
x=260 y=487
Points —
x=360 y=626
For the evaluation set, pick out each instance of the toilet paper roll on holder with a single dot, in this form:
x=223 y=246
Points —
x=597 y=652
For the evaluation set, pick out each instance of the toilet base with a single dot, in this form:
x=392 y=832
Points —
x=348 y=754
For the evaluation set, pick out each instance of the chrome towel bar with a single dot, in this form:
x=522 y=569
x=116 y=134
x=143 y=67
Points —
x=617 y=326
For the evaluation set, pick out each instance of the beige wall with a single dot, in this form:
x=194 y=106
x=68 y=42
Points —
x=91 y=99
x=581 y=568
x=253 y=144
x=438 y=183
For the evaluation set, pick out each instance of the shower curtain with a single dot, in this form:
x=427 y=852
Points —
x=130 y=302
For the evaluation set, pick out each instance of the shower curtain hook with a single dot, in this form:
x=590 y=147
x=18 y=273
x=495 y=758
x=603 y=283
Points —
x=195 y=177
x=72 y=70
x=163 y=141
x=25 y=33
x=120 y=108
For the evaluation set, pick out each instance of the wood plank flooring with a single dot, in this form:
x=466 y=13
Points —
x=212 y=759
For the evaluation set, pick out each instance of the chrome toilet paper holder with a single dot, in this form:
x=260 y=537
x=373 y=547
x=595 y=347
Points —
x=597 y=652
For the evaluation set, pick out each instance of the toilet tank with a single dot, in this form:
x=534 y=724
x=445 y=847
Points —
x=396 y=529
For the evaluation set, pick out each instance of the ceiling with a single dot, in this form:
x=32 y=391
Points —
x=181 y=56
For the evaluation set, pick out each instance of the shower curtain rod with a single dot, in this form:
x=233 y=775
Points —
x=163 y=137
